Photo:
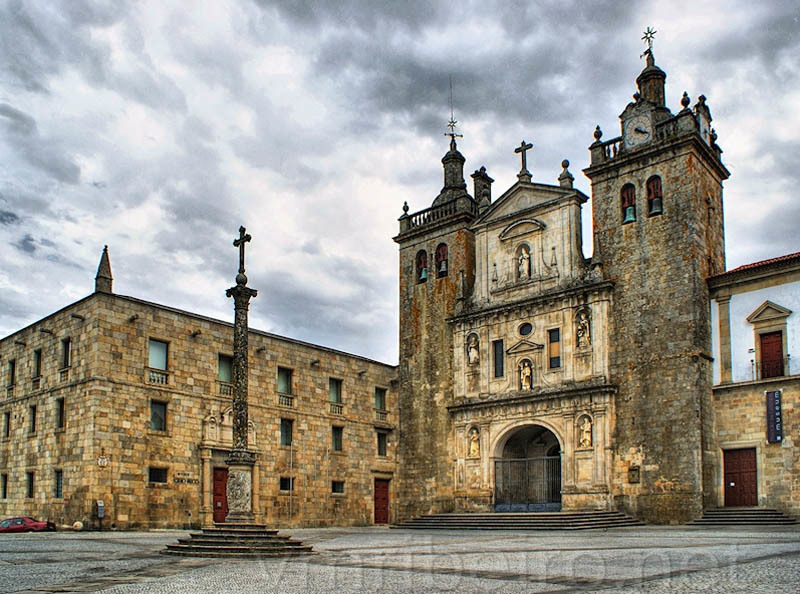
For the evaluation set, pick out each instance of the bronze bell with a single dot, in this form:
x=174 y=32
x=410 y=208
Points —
x=423 y=274
x=442 y=266
x=630 y=214
x=656 y=207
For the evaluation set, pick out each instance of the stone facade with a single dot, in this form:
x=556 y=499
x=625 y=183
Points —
x=108 y=446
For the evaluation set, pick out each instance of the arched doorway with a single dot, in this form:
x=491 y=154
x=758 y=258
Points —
x=527 y=471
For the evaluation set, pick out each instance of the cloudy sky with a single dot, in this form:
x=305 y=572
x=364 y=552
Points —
x=158 y=127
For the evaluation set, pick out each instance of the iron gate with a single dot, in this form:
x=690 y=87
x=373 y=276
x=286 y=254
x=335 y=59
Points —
x=527 y=484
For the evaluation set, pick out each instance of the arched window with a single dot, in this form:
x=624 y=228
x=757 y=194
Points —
x=655 y=199
x=628 y=202
x=441 y=260
x=422 y=266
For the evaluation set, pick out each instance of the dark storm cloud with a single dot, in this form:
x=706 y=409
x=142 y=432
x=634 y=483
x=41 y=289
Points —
x=22 y=136
x=8 y=217
x=26 y=244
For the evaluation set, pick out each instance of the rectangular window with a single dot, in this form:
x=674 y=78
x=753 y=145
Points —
x=158 y=415
x=29 y=478
x=58 y=487
x=335 y=390
x=284 y=380
x=287 y=483
x=554 y=347
x=336 y=438
x=12 y=372
x=499 y=358
x=337 y=486
x=224 y=368
x=157 y=475
x=60 y=416
x=7 y=424
x=37 y=363
x=381 y=443
x=380 y=398
x=32 y=418
x=3 y=486
x=157 y=355
x=66 y=352
x=287 y=426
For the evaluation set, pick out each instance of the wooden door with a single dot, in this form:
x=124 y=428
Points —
x=740 y=478
x=771 y=354
x=220 y=495
x=381 y=501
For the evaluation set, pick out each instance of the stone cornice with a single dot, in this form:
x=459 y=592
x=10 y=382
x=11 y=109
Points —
x=558 y=293
x=518 y=397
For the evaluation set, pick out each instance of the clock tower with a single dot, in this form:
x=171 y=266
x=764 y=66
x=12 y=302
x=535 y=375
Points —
x=658 y=234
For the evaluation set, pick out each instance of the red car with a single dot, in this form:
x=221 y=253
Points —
x=25 y=524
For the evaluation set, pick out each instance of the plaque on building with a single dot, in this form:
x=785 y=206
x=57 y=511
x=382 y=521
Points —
x=774 y=417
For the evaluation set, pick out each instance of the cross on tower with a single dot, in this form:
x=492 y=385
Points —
x=239 y=242
x=649 y=35
x=522 y=148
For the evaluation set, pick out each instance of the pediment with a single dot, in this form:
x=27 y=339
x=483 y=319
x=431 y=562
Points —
x=524 y=346
x=768 y=311
x=519 y=228
x=519 y=198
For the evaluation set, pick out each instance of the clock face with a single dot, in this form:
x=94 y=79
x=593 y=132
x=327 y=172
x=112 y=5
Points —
x=638 y=130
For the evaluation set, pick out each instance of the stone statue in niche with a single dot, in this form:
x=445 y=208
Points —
x=473 y=350
x=474 y=449
x=585 y=440
x=583 y=331
x=525 y=375
x=524 y=263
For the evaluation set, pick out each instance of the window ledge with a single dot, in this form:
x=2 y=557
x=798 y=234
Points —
x=158 y=433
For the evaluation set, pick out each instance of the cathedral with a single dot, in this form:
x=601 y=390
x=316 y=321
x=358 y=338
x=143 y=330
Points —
x=645 y=379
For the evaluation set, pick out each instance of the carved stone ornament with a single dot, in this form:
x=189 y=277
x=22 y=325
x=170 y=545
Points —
x=239 y=491
x=474 y=443
x=525 y=375
x=585 y=434
x=524 y=263
x=473 y=350
x=583 y=328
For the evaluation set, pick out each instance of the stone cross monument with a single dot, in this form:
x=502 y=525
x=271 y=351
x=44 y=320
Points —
x=241 y=459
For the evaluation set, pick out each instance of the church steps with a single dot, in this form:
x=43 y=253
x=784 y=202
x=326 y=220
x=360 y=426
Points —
x=743 y=516
x=522 y=521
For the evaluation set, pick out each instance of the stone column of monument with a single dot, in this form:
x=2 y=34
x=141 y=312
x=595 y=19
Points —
x=241 y=459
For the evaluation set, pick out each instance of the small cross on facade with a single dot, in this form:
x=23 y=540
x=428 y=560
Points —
x=522 y=149
x=239 y=242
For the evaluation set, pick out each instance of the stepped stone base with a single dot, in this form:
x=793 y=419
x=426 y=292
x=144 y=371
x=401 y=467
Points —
x=522 y=521
x=743 y=516
x=240 y=541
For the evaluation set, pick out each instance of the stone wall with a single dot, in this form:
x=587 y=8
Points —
x=108 y=396
x=740 y=416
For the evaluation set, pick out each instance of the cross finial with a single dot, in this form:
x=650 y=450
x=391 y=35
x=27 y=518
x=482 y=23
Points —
x=649 y=35
x=522 y=149
x=452 y=123
x=239 y=242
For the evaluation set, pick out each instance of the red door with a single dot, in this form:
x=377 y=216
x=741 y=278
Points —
x=740 y=478
x=771 y=354
x=381 y=501
x=220 y=495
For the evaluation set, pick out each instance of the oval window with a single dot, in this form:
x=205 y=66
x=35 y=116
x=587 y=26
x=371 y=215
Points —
x=526 y=329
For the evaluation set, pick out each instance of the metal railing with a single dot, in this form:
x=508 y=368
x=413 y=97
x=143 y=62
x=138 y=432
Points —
x=63 y=374
x=225 y=389
x=380 y=415
x=769 y=369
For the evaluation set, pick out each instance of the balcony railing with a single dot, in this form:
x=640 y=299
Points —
x=156 y=376
x=9 y=391
x=380 y=415
x=769 y=369
x=285 y=400
x=63 y=374
x=336 y=408
x=225 y=389
x=36 y=383
x=438 y=212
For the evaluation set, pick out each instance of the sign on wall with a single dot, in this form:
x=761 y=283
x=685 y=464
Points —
x=774 y=417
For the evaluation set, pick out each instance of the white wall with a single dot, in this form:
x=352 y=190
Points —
x=742 y=336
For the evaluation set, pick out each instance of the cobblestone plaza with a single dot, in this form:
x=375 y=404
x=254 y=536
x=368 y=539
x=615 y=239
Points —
x=646 y=559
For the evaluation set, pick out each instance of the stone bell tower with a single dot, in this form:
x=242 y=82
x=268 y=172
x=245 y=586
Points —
x=437 y=271
x=658 y=233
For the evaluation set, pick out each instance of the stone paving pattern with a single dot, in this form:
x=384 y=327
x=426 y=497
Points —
x=648 y=559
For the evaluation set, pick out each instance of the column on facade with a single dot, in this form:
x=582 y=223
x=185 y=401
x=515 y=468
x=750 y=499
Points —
x=568 y=458
x=599 y=432
x=206 y=511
